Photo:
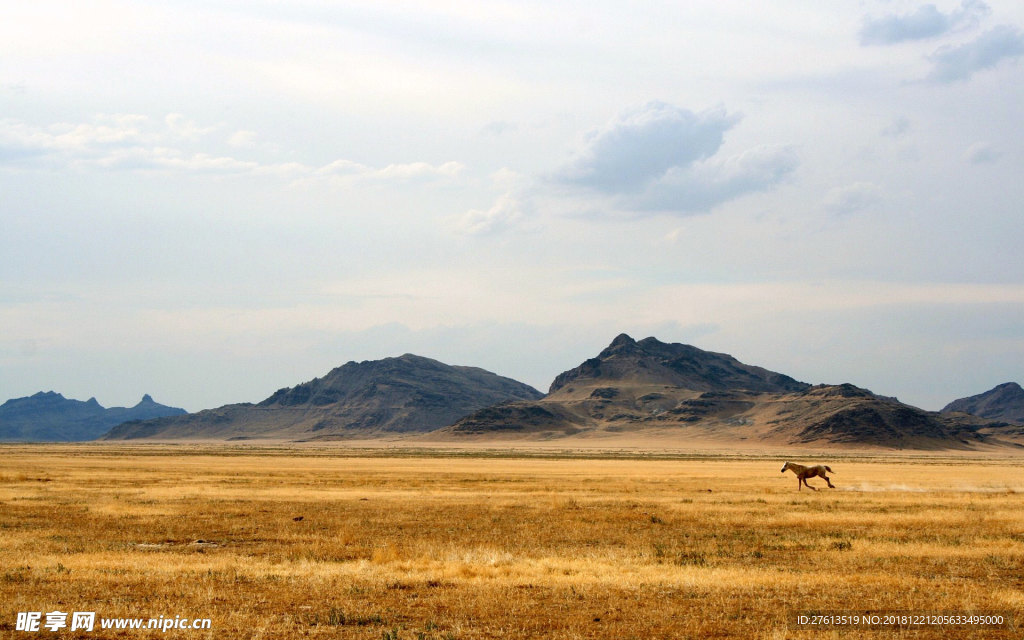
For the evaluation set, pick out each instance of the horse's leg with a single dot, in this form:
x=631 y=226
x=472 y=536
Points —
x=807 y=485
x=830 y=485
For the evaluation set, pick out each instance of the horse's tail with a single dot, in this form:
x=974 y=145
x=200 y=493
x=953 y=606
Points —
x=829 y=469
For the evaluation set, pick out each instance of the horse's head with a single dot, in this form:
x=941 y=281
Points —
x=784 y=467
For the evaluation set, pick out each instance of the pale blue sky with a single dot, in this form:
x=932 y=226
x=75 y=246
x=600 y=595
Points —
x=207 y=201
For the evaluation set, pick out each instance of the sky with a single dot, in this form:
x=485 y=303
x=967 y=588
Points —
x=209 y=201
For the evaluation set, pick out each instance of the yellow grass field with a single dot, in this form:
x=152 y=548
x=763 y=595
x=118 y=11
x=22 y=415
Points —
x=442 y=544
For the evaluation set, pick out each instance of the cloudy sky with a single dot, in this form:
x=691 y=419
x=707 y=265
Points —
x=207 y=201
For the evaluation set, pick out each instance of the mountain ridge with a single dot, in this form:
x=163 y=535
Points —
x=673 y=363
x=685 y=393
x=397 y=395
x=674 y=391
x=1002 y=402
x=47 y=416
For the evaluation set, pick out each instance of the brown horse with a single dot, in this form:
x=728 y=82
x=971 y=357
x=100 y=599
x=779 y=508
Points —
x=802 y=473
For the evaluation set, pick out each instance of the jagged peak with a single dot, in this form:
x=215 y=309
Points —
x=47 y=394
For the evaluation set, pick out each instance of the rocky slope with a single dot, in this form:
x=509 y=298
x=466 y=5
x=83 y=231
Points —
x=50 y=417
x=651 y=361
x=1004 y=402
x=680 y=392
x=407 y=394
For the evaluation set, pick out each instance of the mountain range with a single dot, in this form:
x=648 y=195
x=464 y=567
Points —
x=686 y=394
x=407 y=394
x=667 y=393
x=50 y=417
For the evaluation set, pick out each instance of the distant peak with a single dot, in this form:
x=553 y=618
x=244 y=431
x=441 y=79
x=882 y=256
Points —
x=622 y=340
x=147 y=399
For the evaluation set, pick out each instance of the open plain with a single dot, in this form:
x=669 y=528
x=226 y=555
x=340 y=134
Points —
x=287 y=542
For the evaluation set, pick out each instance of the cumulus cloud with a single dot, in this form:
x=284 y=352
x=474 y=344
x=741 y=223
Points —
x=953 y=63
x=505 y=213
x=185 y=128
x=926 y=22
x=655 y=159
x=19 y=139
x=703 y=185
x=642 y=145
x=416 y=170
x=166 y=159
x=119 y=141
x=662 y=158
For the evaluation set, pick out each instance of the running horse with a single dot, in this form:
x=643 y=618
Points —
x=802 y=473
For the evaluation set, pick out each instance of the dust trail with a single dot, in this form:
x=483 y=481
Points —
x=866 y=487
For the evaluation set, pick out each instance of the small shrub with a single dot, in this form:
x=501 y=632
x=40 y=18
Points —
x=336 y=617
x=691 y=558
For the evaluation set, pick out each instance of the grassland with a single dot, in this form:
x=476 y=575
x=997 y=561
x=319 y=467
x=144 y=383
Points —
x=288 y=543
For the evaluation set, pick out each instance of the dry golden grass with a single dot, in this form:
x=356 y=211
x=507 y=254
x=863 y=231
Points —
x=281 y=543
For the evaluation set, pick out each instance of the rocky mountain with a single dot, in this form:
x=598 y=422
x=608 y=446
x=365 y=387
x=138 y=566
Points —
x=651 y=361
x=1003 y=402
x=685 y=394
x=407 y=394
x=50 y=417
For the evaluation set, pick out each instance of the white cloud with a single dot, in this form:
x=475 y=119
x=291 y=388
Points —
x=348 y=172
x=130 y=142
x=953 y=63
x=167 y=159
x=120 y=141
x=502 y=216
x=702 y=186
x=642 y=145
x=926 y=22
x=73 y=140
x=416 y=170
x=662 y=158
x=181 y=126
